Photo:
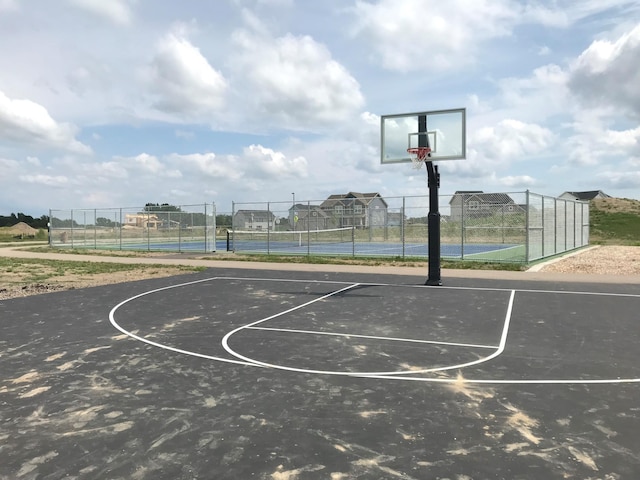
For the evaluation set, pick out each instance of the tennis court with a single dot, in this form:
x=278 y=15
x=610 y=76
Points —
x=334 y=242
x=344 y=241
x=271 y=374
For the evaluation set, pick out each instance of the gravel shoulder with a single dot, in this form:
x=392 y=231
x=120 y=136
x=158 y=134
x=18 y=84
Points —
x=599 y=260
x=613 y=264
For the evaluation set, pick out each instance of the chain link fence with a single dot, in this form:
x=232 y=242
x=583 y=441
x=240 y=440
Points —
x=151 y=228
x=516 y=227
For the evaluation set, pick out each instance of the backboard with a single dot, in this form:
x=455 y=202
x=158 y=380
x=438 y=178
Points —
x=444 y=131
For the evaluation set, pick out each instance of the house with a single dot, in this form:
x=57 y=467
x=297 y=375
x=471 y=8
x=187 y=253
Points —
x=476 y=203
x=308 y=217
x=142 y=220
x=360 y=210
x=254 y=220
x=584 y=196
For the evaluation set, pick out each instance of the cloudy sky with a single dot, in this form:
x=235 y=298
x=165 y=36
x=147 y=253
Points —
x=123 y=102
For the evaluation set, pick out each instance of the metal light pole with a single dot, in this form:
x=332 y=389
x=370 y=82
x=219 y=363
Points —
x=293 y=211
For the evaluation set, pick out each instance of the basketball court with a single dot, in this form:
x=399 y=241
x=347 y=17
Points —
x=270 y=374
x=286 y=375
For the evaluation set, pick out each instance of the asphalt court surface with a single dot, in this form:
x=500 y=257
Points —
x=305 y=375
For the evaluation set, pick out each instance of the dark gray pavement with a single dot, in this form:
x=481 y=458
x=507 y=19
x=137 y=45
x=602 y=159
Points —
x=270 y=374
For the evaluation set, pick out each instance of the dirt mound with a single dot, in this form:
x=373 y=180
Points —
x=22 y=229
x=611 y=205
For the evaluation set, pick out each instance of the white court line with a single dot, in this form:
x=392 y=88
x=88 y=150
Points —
x=160 y=345
x=438 y=287
x=386 y=376
x=372 y=337
x=499 y=349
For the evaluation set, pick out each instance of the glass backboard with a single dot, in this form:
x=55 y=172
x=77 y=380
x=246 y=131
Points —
x=444 y=131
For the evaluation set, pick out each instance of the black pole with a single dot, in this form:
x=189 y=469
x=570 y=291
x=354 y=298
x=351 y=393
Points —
x=433 y=224
x=433 y=220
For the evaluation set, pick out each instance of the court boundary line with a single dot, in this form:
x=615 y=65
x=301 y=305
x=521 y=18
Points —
x=382 y=376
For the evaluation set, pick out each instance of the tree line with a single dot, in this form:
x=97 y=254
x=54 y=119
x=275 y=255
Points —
x=13 y=219
x=160 y=209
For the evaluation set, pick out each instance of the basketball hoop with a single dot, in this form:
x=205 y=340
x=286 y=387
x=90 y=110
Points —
x=419 y=155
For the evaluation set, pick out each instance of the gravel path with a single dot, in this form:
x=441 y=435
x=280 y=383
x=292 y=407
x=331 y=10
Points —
x=604 y=260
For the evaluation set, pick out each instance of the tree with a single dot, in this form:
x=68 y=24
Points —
x=223 y=220
x=165 y=207
x=104 y=222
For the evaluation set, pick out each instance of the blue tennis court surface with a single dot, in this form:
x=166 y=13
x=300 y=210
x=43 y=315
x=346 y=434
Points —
x=357 y=248
x=369 y=249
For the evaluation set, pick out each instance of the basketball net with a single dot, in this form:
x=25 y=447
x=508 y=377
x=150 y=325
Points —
x=419 y=156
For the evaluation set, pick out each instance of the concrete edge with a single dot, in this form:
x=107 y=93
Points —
x=529 y=275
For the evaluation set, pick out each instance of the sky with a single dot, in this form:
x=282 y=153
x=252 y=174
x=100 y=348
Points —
x=129 y=102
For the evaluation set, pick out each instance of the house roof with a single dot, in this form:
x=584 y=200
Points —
x=493 y=198
x=589 y=195
x=347 y=198
x=255 y=212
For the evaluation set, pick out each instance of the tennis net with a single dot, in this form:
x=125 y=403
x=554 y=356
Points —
x=291 y=241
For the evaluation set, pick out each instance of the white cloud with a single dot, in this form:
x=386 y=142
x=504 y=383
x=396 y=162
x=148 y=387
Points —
x=183 y=80
x=607 y=73
x=294 y=81
x=116 y=11
x=46 y=180
x=621 y=180
x=276 y=3
x=593 y=143
x=518 y=181
x=544 y=51
x=512 y=140
x=147 y=163
x=431 y=35
x=143 y=166
x=564 y=13
x=7 y=166
x=208 y=164
x=542 y=94
x=26 y=123
x=267 y=163
x=8 y=5
x=413 y=35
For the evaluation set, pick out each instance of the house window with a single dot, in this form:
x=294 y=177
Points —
x=474 y=205
x=357 y=209
x=339 y=209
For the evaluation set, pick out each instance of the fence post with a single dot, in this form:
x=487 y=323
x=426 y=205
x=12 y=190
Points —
x=71 y=228
x=308 y=229
x=565 y=227
x=268 y=228
x=49 y=227
x=95 y=229
x=463 y=215
x=543 y=229
x=402 y=224
x=527 y=227
x=233 y=227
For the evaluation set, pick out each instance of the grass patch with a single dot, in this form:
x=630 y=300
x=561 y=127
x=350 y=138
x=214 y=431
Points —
x=35 y=270
x=93 y=253
x=368 y=261
x=615 y=222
